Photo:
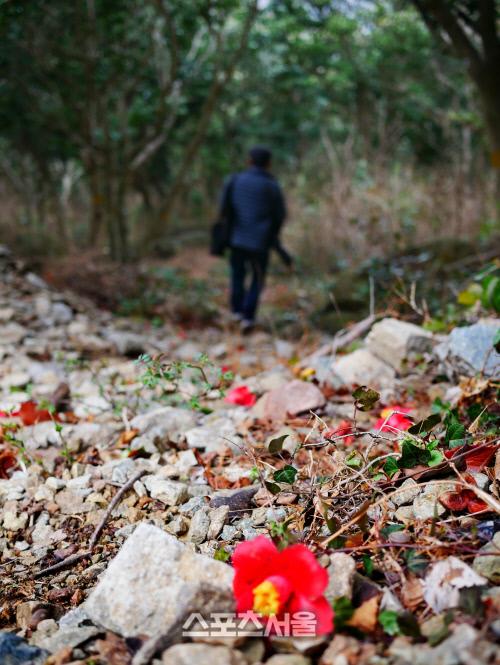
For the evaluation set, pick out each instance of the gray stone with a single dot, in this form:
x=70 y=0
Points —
x=177 y=526
x=12 y=333
x=427 y=505
x=407 y=492
x=15 y=651
x=167 y=491
x=291 y=399
x=200 y=524
x=127 y=343
x=288 y=659
x=393 y=341
x=469 y=350
x=189 y=654
x=72 y=503
x=341 y=575
x=190 y=507
x=487 y=561
x=69 y=636
x=362 y=368
x=461 y=648
x=218 y=518
x=154 y=583
x=216 y=434
x=162 y=426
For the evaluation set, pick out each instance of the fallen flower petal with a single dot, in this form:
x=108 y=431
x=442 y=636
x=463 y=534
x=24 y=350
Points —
x=343 y=430
x=273 y=583
x=30 y=414
x=241 y=396
x=393 y=418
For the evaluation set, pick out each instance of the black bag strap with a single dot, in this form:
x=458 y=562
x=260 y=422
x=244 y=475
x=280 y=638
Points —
x=226 y=203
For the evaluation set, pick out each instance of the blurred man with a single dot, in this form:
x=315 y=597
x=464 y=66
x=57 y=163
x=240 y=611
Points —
x=254 y=202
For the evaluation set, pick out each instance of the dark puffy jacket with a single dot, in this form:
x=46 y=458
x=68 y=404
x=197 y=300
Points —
x=257 y=209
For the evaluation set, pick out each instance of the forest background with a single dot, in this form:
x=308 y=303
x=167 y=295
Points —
x=119 y=120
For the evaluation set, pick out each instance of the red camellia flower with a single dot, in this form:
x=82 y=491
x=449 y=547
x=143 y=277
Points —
x=343 y=431
x=241 y=396
x=392 y=418
x=270 y=582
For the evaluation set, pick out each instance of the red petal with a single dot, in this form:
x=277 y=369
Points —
x=30 y=414
x=476 y=460
x=320 y=607
x=253 y=562
x=241 y=396
x=8 y=460
x=476 y=505
x=300 y=567
x=454 y=500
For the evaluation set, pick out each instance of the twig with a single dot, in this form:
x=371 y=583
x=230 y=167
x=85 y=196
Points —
x=97 y=531
x=341 y=339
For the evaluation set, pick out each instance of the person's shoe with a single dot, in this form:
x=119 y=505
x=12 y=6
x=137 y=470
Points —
x=235 y=317
x=246 y=326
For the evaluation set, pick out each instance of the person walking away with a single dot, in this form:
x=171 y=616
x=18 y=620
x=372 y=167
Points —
x=254 y=201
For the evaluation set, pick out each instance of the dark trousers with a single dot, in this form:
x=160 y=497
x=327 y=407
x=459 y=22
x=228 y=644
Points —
x=244 y=300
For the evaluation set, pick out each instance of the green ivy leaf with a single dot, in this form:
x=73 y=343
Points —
x=343 y=610
x=391 y=466
x=388 y=619
x=285 y=475
x=425 y=426
x=272 y=487
x=412 y=455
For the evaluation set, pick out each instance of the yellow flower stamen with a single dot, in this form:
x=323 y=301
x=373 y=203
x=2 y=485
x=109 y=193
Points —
x=266 y=599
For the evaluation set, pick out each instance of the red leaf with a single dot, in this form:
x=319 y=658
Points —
x=30 y=414
x=241 y=396
x=8 y=460
x=476 y=505
x=456 y=501
x=476 y=460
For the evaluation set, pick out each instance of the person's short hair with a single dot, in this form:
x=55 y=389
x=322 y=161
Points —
x=260 y=156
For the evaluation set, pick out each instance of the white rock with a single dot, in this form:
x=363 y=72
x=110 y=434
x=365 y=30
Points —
x=154 y=583
x=393 y=341
x=168 y=491
x=362 y=368
x=407 y=492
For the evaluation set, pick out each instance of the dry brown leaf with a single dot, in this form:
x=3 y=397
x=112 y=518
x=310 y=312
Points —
x=127 y=436
x=113 y=650
x=365 y=616
x=412 y=593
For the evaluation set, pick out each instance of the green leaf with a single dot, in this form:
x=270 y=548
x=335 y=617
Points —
x=496 y=341
x=391 y=528
x=221 y=555
x=276 y=445
x=391 y=466
x=455 y=433
x=285 y=475
x=412 y=455
x=388 y=619
x=436 y=458
x=343 y=610
x=425 y=426
x=365 y=398
x=272 y=487
x=368 y=564
x=416 y=561
x=354 y=460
